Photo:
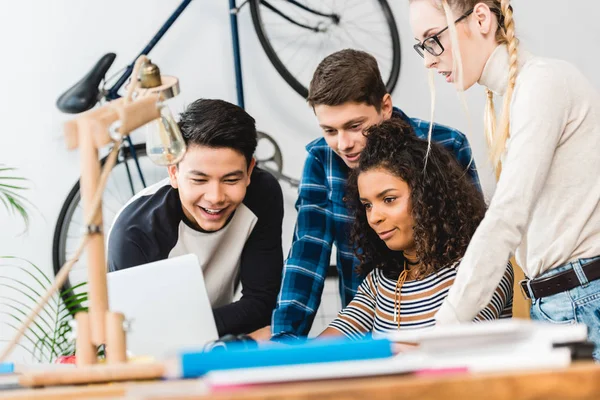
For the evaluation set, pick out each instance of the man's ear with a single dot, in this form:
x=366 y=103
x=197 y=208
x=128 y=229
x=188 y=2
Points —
x=173 y=171
x=250 y=169
x=387 y=107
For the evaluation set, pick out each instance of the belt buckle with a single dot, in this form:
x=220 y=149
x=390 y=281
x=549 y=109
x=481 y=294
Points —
x=526 y=293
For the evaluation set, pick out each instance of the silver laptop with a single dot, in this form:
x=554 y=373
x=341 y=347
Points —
x=166 y=305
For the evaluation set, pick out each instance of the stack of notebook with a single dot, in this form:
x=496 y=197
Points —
x=506 y=345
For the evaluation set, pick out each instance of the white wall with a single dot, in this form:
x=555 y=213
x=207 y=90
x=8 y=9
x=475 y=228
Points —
x=46 y=46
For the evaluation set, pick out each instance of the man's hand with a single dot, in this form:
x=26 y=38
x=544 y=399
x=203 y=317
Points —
x=262 y=334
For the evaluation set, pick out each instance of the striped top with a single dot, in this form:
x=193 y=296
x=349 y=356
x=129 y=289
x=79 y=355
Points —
x=373 y=309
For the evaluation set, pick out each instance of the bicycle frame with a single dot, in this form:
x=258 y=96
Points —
x=112 y=93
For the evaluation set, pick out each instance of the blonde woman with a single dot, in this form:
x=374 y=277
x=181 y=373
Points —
x=546 y=151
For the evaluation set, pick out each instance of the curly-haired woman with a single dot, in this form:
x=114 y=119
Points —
x=416 y=211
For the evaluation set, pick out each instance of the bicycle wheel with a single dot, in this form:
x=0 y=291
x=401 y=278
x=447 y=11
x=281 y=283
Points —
x=268 y=157
x=298 y=34
x=123 y=182
x=268 y=154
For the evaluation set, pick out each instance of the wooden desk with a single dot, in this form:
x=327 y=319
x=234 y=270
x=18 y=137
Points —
x=581 y=381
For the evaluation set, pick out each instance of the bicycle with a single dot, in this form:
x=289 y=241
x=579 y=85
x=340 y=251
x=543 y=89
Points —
x=134 y=171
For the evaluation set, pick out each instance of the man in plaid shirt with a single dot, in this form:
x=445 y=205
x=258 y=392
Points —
x=347 y=95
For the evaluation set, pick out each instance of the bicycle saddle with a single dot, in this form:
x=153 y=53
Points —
x=84 y=94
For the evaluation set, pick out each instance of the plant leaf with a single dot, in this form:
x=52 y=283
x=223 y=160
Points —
x=49 y=333
x=44 y=286
x=62 y=342
x=20 y=321
x=20 y=311
x=41 y=344
x=44 y=310
x=73 y=303
x=72 y=288
x=4 y=185
x=12 y=201
x=77 y=296
x=26 y=336
x=21 y=346
x=75 y=308
x=42 y=273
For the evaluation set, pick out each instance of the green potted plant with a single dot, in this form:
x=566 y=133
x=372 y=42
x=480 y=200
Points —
x=22 y=283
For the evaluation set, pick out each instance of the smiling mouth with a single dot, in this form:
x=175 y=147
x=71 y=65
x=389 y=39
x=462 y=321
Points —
x=386 y=234
x=213 y=211
x=352 y=156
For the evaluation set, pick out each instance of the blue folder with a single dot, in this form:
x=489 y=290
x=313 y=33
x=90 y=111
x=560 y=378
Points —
x=195 y=364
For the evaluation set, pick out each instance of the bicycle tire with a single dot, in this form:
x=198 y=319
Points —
x=59 y=256
x=391 y=80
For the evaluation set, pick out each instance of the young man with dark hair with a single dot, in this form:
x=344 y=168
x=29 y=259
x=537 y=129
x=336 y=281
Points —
x=218 y=205
x=347 y=95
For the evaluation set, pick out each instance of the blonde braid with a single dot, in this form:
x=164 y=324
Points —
x=498 y=145
x=489 y=120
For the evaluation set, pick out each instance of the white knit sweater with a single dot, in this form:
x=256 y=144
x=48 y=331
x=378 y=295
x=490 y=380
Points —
x=547 y=202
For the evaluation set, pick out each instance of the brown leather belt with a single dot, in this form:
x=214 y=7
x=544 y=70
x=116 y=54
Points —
x=561 y=282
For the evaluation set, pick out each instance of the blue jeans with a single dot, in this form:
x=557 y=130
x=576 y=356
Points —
x=581 y=304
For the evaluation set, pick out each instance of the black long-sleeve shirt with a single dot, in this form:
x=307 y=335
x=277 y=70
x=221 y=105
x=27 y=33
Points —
x=152 y=227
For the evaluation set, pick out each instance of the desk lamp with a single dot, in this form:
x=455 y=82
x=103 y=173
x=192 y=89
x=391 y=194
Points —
x=92 y=130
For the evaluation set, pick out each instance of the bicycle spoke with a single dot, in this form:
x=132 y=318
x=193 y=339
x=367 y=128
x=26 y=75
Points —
x=298 y=49
x=283 y=37
x=330 y=11
x=360 y=17
x=377 y=38
x=280 y=50
x=371 y=32
x=358 y=3
x=309 y=60
x=110 y=194
x=367 y=22
x=111 y=210
x=77 y=221
x=122 y=188
x=116 y=194
x=366 y=16
x=324 y=51
x=377 y=55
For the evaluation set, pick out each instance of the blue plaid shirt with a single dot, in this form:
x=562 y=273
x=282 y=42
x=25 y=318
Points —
x=324 y=220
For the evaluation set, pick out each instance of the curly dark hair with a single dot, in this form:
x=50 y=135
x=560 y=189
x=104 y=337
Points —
x=446 y=206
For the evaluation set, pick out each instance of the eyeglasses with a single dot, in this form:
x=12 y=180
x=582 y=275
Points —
x=432 y=44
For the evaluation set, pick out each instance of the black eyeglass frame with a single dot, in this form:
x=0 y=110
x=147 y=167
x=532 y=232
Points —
x=420 y=47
